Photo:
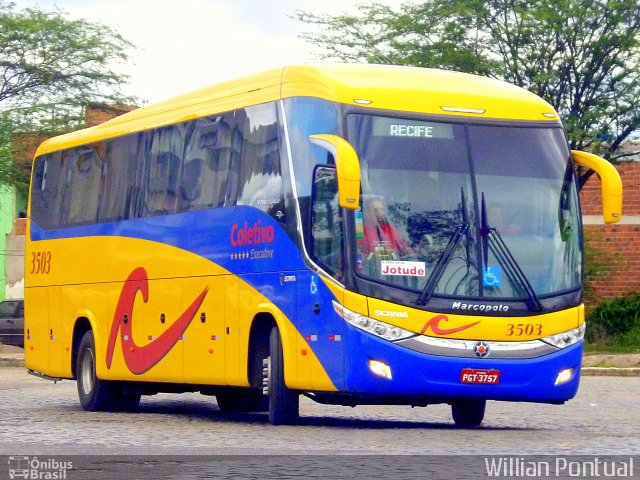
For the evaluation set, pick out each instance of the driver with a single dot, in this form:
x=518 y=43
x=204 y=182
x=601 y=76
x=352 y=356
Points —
x=379 y=234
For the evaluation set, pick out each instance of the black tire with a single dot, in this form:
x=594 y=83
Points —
x=242 y=400
x=126 y=397
x=95 y=394
x=468 y=413
x=283 y=403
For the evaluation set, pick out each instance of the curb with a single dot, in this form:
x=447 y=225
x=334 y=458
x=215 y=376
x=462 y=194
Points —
x=610 y=372
x=12 y=360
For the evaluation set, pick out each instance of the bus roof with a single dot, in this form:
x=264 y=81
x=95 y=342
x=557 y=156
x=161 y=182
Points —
x=385 y=87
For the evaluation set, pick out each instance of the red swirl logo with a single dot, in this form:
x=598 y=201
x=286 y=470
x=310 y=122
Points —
x=434 y=324
x=140 y=359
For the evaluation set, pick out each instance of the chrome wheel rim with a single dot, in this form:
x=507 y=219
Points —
x=87 y=374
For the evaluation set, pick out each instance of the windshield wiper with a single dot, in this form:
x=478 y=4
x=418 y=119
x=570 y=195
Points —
x=461 y=231
x=443 y=260
x=505 y=259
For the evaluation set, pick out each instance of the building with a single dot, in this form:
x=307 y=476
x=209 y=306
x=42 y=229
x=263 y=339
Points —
x=13 y=203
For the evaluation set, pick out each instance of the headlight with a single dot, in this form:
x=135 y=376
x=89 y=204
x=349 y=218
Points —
x=371 y=325
x=565 y=339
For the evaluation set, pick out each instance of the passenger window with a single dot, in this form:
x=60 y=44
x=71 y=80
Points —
x=205 y=171
x=83 y=172
x=258 y=164
x=327 y=228
x=122 y=183
x=45 y=194
x=163 y=180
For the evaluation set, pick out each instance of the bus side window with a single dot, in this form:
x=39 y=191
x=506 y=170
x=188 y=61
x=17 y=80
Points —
x=44 y=192
x=233 y=177
x=260 y=175
x=206 y=164
x=164 y=169
x=308 y=116
x=38 y=183
x=121 y=178
x=83 y=172
x=327 y=229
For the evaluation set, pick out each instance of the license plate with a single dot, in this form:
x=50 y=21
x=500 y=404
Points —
x=477 y=375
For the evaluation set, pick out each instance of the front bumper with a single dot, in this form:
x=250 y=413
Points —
x=416 y=374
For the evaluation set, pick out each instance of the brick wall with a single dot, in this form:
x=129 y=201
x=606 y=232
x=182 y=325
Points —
x=615 y=248
x=95 y=115
x=591 y=197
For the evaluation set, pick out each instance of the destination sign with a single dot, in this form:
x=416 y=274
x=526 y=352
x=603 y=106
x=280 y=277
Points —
x=394 y=127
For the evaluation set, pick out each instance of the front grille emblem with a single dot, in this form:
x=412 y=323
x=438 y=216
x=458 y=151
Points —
x=481 y=349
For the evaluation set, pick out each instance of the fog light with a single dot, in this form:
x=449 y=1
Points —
x=380 y=368
x=564 y=376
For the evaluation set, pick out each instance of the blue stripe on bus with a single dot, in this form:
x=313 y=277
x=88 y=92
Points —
x=207 y=233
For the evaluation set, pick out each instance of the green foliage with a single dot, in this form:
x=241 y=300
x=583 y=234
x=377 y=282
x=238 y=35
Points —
x=615 y=323
x=379 y=34
x=6 y=159
x=51 y=68
x=11 y=172
x=582 y=56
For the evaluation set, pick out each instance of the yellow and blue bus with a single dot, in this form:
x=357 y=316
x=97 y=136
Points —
x=356 y=234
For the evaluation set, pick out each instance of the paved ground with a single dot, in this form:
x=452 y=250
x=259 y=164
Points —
x=39 y=417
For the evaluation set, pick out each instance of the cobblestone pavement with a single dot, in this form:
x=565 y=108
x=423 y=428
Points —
x=39 y=417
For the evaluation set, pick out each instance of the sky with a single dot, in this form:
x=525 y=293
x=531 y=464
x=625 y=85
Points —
x=182 y=45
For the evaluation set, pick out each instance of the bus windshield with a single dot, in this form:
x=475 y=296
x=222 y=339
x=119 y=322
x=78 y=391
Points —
x=471 y=210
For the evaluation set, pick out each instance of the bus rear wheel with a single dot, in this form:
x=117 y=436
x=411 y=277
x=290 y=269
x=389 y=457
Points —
x=283 y=402
x=468 y=413
x=125 y=397
x=95 y=394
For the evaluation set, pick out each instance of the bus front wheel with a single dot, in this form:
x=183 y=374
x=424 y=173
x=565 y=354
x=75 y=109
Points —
x=468 y=413
x=283 y=402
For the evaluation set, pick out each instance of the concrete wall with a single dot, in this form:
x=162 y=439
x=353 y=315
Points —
x=14 y=261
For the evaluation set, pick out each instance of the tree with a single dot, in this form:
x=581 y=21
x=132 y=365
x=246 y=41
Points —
x=6 y=164
x=582 y=56
x=51 y=67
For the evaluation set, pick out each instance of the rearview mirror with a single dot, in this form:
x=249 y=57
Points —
x=347 y=167
x=611 y=184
